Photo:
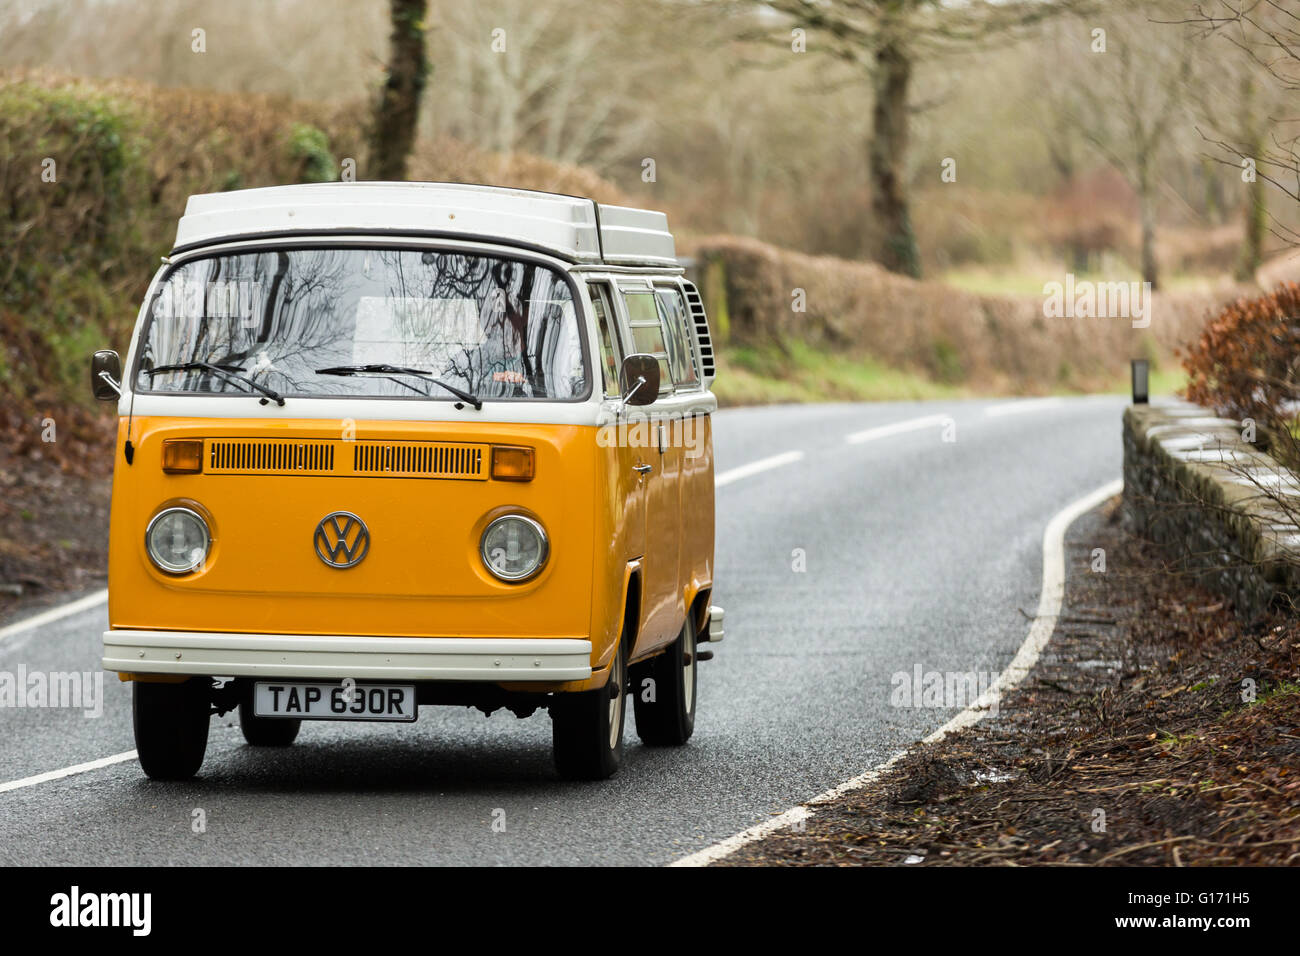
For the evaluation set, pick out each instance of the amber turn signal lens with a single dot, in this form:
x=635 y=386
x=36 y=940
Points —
x=512 y=463
x=182 y=456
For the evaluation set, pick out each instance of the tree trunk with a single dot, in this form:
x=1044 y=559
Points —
x=397 y=111
x=1146 y=205
x=895 y=244
x=1252 y=248
x=1214 y=195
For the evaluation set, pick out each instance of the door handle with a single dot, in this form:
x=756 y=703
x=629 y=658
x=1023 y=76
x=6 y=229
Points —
x=643 y=469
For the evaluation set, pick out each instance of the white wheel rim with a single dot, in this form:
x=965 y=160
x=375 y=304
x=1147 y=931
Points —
x=616 y=706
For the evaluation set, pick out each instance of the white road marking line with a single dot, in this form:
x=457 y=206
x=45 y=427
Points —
x=67 y=771
x=897 y=428
x=1024 y=405
x=54 y=614
x=1040 y=631
x=755 y=467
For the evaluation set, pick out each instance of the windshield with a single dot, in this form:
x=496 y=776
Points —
x=494 y=327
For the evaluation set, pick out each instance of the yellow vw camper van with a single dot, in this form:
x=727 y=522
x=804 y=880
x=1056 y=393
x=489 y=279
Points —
x=390 y=444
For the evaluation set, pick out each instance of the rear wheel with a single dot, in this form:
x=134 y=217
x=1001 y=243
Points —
x=265 y=731
x=663 y=693
x=171 y=727
x=587 y=728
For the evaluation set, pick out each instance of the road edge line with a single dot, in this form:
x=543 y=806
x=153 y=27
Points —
x=54 y=614
x=1051 y=595
x=68 y=771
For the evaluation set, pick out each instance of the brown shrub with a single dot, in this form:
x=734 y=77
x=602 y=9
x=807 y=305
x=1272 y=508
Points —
x=993 y=342
x=1244 y=364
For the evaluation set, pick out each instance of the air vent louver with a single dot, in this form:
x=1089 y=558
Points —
x=420 y=459
x=347 y=459
x=703 y=341
x=270 y=456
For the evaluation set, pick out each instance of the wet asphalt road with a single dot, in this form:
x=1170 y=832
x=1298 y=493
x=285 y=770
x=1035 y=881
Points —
x=916 y=551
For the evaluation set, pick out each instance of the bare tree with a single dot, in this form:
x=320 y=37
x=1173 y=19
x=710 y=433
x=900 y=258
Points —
x=1133 y=83
x=889 y=39
x=397 y=111
x=545 y=76
x=1252 y=132
x=1241 y=122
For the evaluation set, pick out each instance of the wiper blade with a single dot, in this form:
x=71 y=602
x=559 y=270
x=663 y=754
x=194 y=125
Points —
x=191 y=366
x=381 y=369
x=227 y=371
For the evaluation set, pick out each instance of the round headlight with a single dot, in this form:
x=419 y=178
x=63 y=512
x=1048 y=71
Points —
x=514 y=548
x=177 y=540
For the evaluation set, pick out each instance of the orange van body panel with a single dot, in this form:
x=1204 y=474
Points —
x=422 y=575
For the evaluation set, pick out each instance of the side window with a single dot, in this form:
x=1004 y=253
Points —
x=676 y=321
x=611 y=358
x=648 y=332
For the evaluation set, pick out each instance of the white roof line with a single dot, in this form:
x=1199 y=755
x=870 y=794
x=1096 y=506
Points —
x=574 y=228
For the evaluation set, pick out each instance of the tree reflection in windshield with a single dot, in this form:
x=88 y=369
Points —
x=498 y=328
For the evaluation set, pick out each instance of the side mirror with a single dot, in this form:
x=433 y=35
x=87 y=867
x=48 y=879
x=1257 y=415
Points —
x=639 y=379
x=106 y=375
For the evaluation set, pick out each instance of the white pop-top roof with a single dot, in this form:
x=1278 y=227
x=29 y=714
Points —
x=577 y=229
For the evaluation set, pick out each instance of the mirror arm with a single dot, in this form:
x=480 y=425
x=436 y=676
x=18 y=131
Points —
x=627 y=396
x=112 y=383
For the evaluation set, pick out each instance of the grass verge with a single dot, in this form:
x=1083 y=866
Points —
x=767 y=375
x=750 y=375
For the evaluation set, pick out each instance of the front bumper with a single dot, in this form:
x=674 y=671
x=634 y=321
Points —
x=212 y=654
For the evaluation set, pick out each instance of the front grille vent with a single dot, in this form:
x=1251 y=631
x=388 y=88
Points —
x=347 y=459
x=420 y=459
x=270 y=456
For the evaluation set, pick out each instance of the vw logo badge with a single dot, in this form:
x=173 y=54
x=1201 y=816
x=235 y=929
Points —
x=342 y=539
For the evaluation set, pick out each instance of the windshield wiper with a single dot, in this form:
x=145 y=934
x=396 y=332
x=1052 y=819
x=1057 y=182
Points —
x=399 y=370
x=227 y=371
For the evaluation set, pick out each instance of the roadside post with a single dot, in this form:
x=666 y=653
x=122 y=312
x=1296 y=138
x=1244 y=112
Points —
x=1141 y=369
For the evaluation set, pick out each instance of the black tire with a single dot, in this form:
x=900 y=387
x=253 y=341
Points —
x=587 y=728
x=265 y=731
x=664 y=693
x=171 y=727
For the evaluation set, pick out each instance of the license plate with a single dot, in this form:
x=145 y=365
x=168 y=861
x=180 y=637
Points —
x=312 y=701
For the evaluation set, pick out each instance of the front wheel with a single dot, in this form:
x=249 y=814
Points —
x=663 y=693
x=171 y=727
x=587 y=728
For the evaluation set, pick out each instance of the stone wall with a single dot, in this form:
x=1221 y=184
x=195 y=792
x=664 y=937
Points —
x=1216 y=502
